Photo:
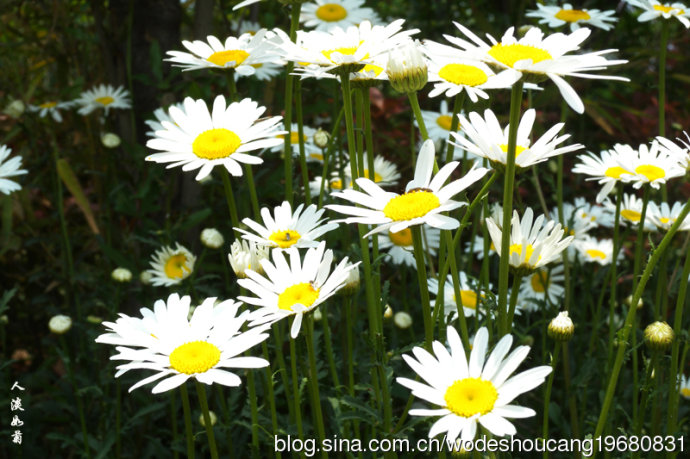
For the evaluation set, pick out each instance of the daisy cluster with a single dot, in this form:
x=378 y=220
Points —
x=102 y=97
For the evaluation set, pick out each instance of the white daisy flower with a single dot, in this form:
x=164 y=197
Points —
x=371 y=73
x=399 y=248
x=681 y=154
x=103 y=96
x=171 y=266
x=654 y=9
x=244 y=3
x=325 y=14
x=438 y=123
x=593 y=250
x=574 y=225
x=605 y=168
x=296 y=288
x=423 y=202
x=240 y=54
x=538 y=57
x=245 y=255
x=309 y=147
x=166 y=341
x=201 y=140
x=532 y=245
x=595 y=213
x=9 y=168
x=542 y=283
x=476 y=246
x=161 y=115
x=452 y=72
x=663 y=216
x=385 y=172
x=468 y=296
x=630 y=212
x=286 y=229
x=556 y=16
x=684 y=387
x=652 y=165
x=51 y=108
x=485 y=138
x=341 y=50
x=478 y=391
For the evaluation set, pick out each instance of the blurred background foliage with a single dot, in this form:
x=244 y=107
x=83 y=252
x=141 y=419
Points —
x=55 y=49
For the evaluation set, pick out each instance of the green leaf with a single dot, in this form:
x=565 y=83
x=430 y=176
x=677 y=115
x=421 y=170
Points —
x=72 y=184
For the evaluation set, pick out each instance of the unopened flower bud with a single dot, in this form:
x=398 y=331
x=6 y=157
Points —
x=212 y=238
x=60 y=324
x=317 y=315
x=388 y=313
x=351 y=283
x=629 y=299
x=321 y=138
x=110 y=140
x=246 y=255
x=121 y=275
x=15 y=109
x=407 y=70
x=94 y=319
x=402 y=320
x=212 y=417
x=658 y=336
x=561 y=327
x=145 y=277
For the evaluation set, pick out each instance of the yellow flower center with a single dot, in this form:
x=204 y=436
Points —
x=615 y=172
x=294 y=137
x=510 y=54
x=402 y=238
x=411 y=205
x=303 y=293
x=668 y=9
x=194 y=357
x=318 y=156
x=221 y=58
x=518 y=149
x=105 y=100
x=377 y=177
x=685 y=392
x=529 y=250
x=462 y=74
x=349 y=51
x=468 y=298
x=176 y=266
x=257 y=66
x=48 y=105
x=666 y=220
x=594 y=253
x=337 y=184
x=372 y=68
x=539 y=282
x=331 y=12
x=470 y=396
x=651 y=172
x=285 y=239
x=445 y=122
x=632 y=215
x=572 y=15
x=216 y=143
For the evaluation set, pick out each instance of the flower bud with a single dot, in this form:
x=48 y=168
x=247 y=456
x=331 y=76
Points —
x=561 y=327
x=321 y=138
x=212 y=238
x=94 y=319
x=406 y=69
x=60 y=324
x=388 y=313
x=629 y=299
x=317 y=315
x=110 y=140
x=246 y=255
x=402 y=320
x=145 y=277
x=15 y=109
x=351 y=283
x=212 y=417
x=658 y=336
x=121 y=275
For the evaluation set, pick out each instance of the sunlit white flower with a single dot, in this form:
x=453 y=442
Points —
x=438 y=123
x=161 y=115
x=556 y=16
x=533 y=244
x=201 y=140
x=474 y=391
x=681 y=154
x=476 y=246
x=654 y=9
x=240 y=54
x=605 y=168
x=212 y=238
x=171 y=266
x=423 y=202
x=245 y=255
x=541 y=284
x=468 y=296
x=485 y=138
x=385 y=172
x=286 y=229
x=593 y=212
x=309 y=147
x=244 y=3
x=539 y=57
x=204 y=347
x=399 y=249
x=9 y=168
x=630 y=212
x=51 y=108
x=296 y=288
x=664 y=216
x=574 y=225
x=594 y=250
x=452 y=72
x=648 y=165
x=325 y=14
x=105 y=97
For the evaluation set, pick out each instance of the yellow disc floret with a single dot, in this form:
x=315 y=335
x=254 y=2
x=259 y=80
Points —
x=303 y=293
x=539 y=282
x=572 y=15
x=632 y=215
x=194 y=357
x=105 y=100
x=401 y=238
x=615 y=172
x=463 y=74
x=221 y=58
x=176 y=266
x=285 y=238
x=416 y=203
x=594 y=253
x=216 y=143
x=470 y=396
x=650 y=171
x=510 y=54
x=331 y=12
x=444 y=121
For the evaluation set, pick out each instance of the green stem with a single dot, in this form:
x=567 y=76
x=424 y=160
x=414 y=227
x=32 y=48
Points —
x=457 y=106
x=254 y=413
x=226 y=415
x=328 y=154
x=646 y=388
x=173 y=422
x=508 y=184
x=295 y=389
x=414 y=102
x=187 y=421
x=517 y=278
x=547 y=395
x=329 y=350
x=80 y=405
x=289 y=86
x=252 y=191
x=625 y=332
x=314 y=380
x=201 y=393
x=230 y=198
x=268 y=373
x=300 y=136
x=423 y=286
x=662 y=77
x=614 y=268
